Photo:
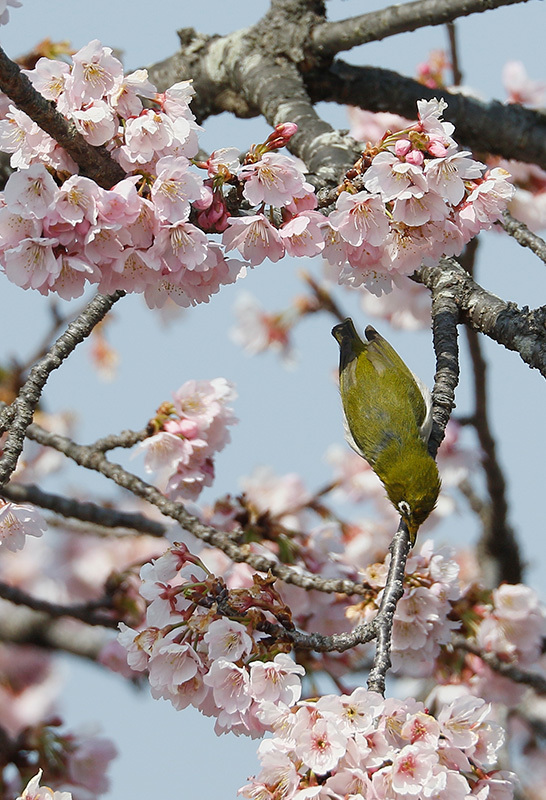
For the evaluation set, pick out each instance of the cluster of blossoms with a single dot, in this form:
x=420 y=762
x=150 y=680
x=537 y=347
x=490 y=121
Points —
x=421 y=199
x=422 y=622
x=510 y=623
x=61 y=233
x=148 y=233
x=197 y=656
x=78 y=767
x=360 y=745
x=190 y=430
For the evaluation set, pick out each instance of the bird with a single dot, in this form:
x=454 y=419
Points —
x=388 y=419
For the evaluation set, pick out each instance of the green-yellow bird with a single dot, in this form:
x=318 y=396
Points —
x=388 y=421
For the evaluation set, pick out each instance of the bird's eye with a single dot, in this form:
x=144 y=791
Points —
x=404 y=508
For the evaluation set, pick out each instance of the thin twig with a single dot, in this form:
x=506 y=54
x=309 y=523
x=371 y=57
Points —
x=533 y=679
x=457 y=75
x=85 y=612
x=92 y=459
x=17 y=417
x=497 y=543
x=523 y=236
x=83 y=511
x=383 y=622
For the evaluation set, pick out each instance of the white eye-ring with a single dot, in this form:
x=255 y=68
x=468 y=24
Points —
x=404 y=508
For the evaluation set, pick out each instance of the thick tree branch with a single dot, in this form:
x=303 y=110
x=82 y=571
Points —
x=508 y=130
x=95 y=162
x=516 y=329
x=445 y=317
x=332 y=37
x=18 y=416
x=36 y=629
x=278 y=91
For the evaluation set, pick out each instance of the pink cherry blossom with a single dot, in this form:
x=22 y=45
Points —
x=97 y=122
x=227 y=639
x=174 y=188
x=171 y=665
x=389 y=177
x=445 y=176
x=360 y=218
x=415 y=210
x=145 y=135
x=275 y=179
x=230 y=686
x=94 y=73
x=32 y=263
x=30 y=192
x=77 y=200
x=321 y=745
x=49 y=77
x=302 y=235
x=276 y=680
x=88 y=761
x=255 y=238
x=125 y=96
x=412 y=768
x=520 y=88
x=33 y=790
x=4 y=13
x=257 y=331
x=369 y=126
x=17 y=522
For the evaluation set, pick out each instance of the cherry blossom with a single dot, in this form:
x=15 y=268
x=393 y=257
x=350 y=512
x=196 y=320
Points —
x=274 y=179
x=360 y=218
x=255 y=238
x=17 y=522
x=33 y=791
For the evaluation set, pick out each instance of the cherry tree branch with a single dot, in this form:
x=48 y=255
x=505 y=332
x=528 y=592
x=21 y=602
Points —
x=498 y=544
x=332 y=37
x=521 y=330
x=501 y=560
x=445 y=317
x=229 y=543
x=95 y=162
x=533 y=679
x=82 y=511
x=523 y=236
x=85 y=612
x=17 y=417
x=383 y=622
x=27 y=627
x=506 y=130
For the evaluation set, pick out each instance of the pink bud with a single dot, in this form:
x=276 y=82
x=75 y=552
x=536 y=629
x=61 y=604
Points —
x=402 y=147
x=206 y=198
x=415 y=157
x=437 y=148
x=280 y=136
